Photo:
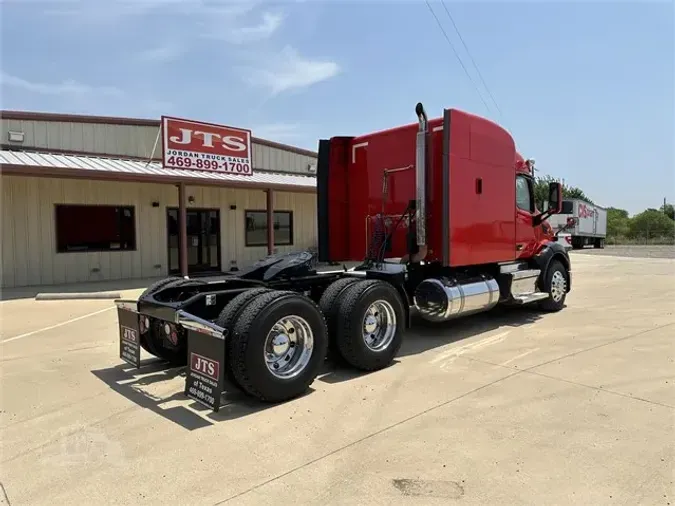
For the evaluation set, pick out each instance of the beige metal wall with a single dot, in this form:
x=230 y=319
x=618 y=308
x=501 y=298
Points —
x=131 y=141
x=28 y=233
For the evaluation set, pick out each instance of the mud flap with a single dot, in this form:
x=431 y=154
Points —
x=205 y=378
x=130 y=335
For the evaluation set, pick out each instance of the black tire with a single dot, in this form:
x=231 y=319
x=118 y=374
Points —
x=553 y=303
x=248 y=345
x=154 y=342
x=227 y=319
x=157 y=285
x=599 y=243
x=329 y=303
x=349 y=329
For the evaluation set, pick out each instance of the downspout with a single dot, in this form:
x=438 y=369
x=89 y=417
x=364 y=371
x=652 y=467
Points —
x=421 y=183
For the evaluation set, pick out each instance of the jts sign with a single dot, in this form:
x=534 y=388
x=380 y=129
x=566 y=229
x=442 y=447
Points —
x=203 y=146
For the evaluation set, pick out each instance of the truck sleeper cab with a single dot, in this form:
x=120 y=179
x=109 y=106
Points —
x=441 y=215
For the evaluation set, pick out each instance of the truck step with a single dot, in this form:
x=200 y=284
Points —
x=526 y=298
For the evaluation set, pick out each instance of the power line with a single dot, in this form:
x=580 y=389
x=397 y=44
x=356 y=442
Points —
x=471 y=57
x=457 y=56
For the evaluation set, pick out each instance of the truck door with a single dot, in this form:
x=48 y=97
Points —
x=525 y=210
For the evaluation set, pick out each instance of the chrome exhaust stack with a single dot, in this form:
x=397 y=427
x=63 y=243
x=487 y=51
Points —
x=421 y=181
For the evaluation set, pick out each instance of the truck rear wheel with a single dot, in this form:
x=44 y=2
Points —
x=227 y=319
x=278 y=345
x=157 y=285
x=599 y=243
x=329 y=305
x=370 y=324
x=156 y=341
x=555 y=284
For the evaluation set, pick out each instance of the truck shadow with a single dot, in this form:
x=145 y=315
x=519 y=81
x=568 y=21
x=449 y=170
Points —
x=134 y=384
x=424 y=336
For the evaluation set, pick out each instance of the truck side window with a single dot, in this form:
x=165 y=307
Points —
x=523 y=194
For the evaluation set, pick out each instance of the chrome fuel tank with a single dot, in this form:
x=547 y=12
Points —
x=443 y=299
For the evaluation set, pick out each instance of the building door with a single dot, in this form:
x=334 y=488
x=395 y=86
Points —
x=203 y=240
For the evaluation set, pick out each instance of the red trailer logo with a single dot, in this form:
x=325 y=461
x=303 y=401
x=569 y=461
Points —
x=203 y=146
x=585 y=211
x=205 y=366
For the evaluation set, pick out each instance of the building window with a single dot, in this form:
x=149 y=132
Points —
x=256 y=228
x=95 y=228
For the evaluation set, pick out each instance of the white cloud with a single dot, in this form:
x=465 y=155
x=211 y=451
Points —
x=277 y=131
x=289 y=70
x=223 y=20
x=95 y=11
x=161 y=54
x=229 y=26
x=268 y=25
x=68 y=87
x=117 y=7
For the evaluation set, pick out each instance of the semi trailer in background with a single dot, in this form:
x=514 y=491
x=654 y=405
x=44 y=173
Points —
x=580 y=223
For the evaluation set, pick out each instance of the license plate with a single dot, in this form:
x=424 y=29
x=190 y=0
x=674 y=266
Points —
x=130 y=335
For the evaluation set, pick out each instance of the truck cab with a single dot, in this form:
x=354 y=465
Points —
x=531 y=229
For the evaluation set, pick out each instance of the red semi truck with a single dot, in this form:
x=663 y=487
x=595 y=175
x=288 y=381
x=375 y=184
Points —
x=441 y=213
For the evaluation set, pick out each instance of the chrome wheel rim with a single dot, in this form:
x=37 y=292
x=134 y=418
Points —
x=379 y=325
x=288 y=347
x=558 y=286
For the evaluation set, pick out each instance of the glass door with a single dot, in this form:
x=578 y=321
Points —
x=203 y=240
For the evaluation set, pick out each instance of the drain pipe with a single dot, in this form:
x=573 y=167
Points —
x=421 y=182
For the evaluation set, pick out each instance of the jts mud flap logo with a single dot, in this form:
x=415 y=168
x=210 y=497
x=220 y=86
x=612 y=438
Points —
x=129 y=335
x=206 y=366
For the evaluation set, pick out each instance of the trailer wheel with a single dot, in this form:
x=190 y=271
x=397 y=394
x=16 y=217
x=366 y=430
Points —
x=555 y=284
x=599 y=243
x=228 y=317
x=278 y=345
x=329 y=304
x=370 y=324
x=154 y=340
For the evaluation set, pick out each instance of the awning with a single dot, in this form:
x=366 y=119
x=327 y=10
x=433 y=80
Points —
x=116 y=169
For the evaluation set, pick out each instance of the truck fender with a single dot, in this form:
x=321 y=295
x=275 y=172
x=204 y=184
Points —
x=553 y=251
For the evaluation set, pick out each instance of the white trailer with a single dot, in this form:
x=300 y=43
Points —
x=586 y=222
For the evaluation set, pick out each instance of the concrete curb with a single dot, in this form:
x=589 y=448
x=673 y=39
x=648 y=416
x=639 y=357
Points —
x=78 y=296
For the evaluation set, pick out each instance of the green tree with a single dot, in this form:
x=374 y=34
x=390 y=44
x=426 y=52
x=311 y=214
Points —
x=652 y=224
x=618 y=223
x=541 y=191
x=669 y=210
x=573 y=192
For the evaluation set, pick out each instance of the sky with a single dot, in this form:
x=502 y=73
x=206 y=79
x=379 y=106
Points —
x=585 y=88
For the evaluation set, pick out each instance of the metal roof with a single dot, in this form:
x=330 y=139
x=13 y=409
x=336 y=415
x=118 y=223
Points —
x=87 y=165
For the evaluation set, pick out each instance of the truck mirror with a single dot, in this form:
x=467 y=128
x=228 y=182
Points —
x=554 y=198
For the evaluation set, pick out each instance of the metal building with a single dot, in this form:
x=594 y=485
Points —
x=87 y=199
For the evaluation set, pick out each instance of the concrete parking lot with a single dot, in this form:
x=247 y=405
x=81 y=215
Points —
x=506 y=408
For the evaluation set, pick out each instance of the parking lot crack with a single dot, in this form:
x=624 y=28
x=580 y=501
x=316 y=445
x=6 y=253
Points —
x=367 y=437
x=592 y=348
